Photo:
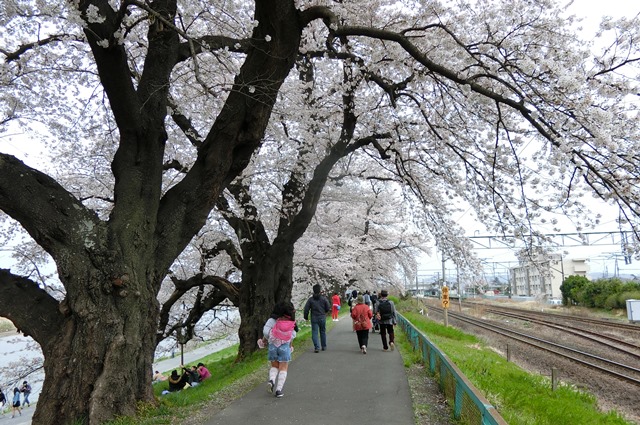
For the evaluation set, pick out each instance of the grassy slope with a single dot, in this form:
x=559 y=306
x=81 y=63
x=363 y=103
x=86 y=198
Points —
x=521 y=398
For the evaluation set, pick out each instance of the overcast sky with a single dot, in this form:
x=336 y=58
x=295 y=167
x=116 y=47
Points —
x=592 y=11
x=601 y=258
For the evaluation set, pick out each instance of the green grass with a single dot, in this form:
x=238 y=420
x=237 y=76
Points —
x=6 y=325
x=229 y=381
x=520 y=397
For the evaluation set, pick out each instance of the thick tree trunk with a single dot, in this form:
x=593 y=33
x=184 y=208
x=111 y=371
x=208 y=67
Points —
x=97 y=352
x=267 y=278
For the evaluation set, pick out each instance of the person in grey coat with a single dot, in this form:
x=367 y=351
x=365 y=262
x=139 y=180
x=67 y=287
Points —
x=385 y=312
x=318 y=305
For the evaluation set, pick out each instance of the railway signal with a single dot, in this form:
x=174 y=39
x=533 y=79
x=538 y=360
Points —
x=445 y=304
x=445 y=297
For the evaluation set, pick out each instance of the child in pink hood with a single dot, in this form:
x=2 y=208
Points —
x=279 y=332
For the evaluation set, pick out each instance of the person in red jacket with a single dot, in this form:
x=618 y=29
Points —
x=335 y=301
x=361 y=315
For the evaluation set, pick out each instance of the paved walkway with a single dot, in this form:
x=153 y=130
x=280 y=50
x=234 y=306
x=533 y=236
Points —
x=338 y=386
x=190 y=357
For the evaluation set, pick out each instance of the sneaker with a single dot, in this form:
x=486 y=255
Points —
x=392 y=345
x=279 y=394
x=364 y=349
x=270 y=386
x=316 y=350
x=385 y=349
x=324 y=348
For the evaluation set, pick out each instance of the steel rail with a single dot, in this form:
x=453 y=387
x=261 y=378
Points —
x=521 y=338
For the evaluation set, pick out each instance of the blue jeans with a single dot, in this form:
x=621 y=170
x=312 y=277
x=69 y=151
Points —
x=280 y=354
x=319 y=325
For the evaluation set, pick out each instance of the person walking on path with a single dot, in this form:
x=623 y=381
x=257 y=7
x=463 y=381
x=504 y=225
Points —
x=385 y=312
x=352 y=300
x=279 y=332
x=318 y=306
x=3 y=401
x=15 y=406
x=335 y=301
x=26 y=390
x=367 y=297
x=361 y=315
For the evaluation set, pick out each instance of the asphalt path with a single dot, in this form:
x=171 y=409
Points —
x=337 y=386
x=340 y=385
x=165 y=365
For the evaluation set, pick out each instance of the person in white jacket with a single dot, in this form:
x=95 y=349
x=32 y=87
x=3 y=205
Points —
x=279 y=332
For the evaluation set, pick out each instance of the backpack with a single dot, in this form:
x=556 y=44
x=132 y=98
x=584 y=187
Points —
x=283 y=329
x=385 y=311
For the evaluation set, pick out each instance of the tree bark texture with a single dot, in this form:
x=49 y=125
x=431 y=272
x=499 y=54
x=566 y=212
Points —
x=265 y=280
x=99 y=341
x=99 y=363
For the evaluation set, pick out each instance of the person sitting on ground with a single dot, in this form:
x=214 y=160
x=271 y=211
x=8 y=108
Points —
x=158 y=377
x=193 y=376
x=203 y=371
x=178 y=382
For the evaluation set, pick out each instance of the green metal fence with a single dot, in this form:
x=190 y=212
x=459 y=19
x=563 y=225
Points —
x=469 y=406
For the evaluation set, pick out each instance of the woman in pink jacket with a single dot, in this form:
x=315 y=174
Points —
x=361 y=315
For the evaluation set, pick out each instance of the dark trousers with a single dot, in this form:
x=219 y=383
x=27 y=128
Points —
x=363 y=338
x=319 y=332
x=383 y=334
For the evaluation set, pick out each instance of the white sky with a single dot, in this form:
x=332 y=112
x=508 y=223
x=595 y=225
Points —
x=592 y=10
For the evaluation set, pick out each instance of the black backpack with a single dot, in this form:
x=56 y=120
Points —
x=385 y=310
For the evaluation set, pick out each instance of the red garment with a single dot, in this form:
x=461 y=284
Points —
x=361 y=315
x=335 y=300
x=204 y=373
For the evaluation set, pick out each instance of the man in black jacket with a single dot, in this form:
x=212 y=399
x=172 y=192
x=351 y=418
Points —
x=319 y=306
x=385 y=312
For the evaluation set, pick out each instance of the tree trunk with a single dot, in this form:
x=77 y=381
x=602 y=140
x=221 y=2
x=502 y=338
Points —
x=267 y=278
x=97 y=352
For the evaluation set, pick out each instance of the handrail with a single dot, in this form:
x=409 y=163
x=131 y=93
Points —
x=469 y=405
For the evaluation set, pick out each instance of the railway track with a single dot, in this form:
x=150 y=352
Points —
x=608 y=341
x=548 y=314
x=608 y=366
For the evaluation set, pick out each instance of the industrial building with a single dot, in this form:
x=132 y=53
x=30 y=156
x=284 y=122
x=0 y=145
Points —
x=543 y=275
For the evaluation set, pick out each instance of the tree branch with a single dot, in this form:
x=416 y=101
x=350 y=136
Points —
x=221 y=289
x=54 y=218
x=34 y=312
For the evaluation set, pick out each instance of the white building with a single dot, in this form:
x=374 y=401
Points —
x=544 y=275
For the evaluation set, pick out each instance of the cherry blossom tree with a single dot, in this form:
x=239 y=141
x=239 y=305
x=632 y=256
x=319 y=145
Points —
x=496 y=105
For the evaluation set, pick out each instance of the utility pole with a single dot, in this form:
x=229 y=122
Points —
x=459 y=289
